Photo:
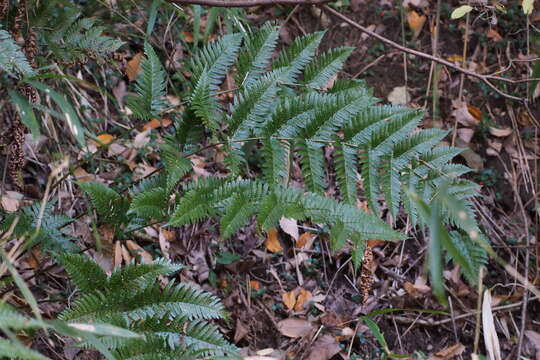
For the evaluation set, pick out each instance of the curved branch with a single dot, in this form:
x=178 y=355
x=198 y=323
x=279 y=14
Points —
x=248 y=3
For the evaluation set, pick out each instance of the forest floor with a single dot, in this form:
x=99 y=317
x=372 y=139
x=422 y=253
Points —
x=287 y=293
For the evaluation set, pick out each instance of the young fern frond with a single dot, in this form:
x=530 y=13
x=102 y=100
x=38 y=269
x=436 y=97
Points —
x=321 y=70
x=150 y=87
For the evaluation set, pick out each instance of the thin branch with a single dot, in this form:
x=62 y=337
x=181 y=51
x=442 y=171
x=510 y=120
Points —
x=247 y=3
x=484 y=78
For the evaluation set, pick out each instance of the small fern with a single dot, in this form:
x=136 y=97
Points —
x=172 y=319
x=12 y=59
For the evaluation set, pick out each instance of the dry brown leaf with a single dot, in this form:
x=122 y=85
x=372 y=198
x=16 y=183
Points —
x=117 y=261
x=272 y=242
x=240 y=331
x=302 y=299
x=164 y=244
x=399 y=96
x=416 y=22
x=324 y=348
x=289 y=299
x=475 y=112
x=104 y=139
x=500 y=132
x=464 y=114
x=494 y=35
x=82 y=175
x=450 y=352
x=465 y=134
x=141 y=139
x=295 y=328
x=534 y=338
x=305 y=240
x=289 y=226
x=133 y=67
x=137 y=251
x=156 y=123
x=188 y=37
x=255 y=284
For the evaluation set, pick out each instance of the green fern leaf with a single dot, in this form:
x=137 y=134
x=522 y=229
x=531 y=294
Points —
x=110 y=206
x=12 y=59
x=150 y=87
x=321 y=70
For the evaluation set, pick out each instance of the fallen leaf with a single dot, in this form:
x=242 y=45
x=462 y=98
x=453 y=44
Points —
x=449 y=352
x=141 y=139
x=465 y=134
x=11 y=201
x=137 y=251
x=399 y=96
x=534 y=338
x=272 y=242
x=416 y=22
x=500 y=132
x=240 y=331
x=491 y=340
x=289 y=299
x=305 y=240
x=133 y=67
x=82 y=175
x=466 y=115
x=494 y=35
x=155 y=123
x=455 y=58
x=117 y=261
x=294 y=327
x=475 y=112
x=255 y=284
x=473 y=160
x=303 y=298
x=460 y=11
x=324 y=348
x=104 y=139
x=289 y=226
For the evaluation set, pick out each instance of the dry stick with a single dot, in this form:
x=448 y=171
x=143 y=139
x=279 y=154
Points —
x=484 y=78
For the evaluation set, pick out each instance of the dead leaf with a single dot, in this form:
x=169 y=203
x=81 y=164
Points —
x=302 y=299
x=82 y=175
x=255 y=284
x=324 y=348
x=399 y=96
x=289 y=226
x=188 y=37
x=449 y=352
x=475 y=112
x=11 y=201
x=500 y=132
x=137 y=251
x=473 y=160
x=466 y=115
x=534 y=338
x=465 y=134
x=416 y=22
x=141 y=139
x=455 y=58
x=289 y=299
x=117 y=261
x=305 y=240
x=164 y=241
x=155 y=123
x=272 y=242
x=240 y=331
x=494 y=35
x=133 y=67
x=294 y=327
x=104 y=139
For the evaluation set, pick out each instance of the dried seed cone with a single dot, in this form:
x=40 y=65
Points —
x=19 y=20
x=366 y=276
x=30 y=47
x=16 y=152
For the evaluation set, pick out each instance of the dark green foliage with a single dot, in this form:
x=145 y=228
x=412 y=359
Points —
x=172 y=319
x=12 y=59
x=52 y=236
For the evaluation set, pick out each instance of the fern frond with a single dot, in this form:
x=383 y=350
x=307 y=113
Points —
x=149 y=204
x=321 y=70
x=237 y=212
x=204 y=103
x=256 y=54
x=12 y=59
x=84 y=272
x=294 y=58
x=216 y=58
x=15 y=350
x=109 y=205
x=150 y=87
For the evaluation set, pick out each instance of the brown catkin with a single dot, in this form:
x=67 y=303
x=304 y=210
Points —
x=366 y=276
x=19 y=20
x=16 y=152
x=30 y=46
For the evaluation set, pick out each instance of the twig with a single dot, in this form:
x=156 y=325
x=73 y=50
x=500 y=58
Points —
x=484 y=78
x=247 y=3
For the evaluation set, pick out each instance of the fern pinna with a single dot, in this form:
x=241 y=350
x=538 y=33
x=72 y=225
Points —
x=293 y=109
x=172 y=320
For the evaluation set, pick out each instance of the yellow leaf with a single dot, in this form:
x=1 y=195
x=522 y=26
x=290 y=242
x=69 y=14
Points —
x=133 y=67
x=104 y=139
x=461 y=11
x=455 y=58
x=528 y=6
x=272 y=242
x=289 y=299
x=302 y=299
x=416 y=22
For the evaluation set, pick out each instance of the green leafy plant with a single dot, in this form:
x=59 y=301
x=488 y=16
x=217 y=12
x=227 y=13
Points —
x=292 y=112
x=173 y=319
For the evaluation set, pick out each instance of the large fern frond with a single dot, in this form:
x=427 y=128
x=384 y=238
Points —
x=12 y=59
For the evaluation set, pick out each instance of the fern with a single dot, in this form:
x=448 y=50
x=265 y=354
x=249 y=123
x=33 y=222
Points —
x=150 y=87
x=109 y=205
x=173 y=319
x=12 y=59
x=73 y=38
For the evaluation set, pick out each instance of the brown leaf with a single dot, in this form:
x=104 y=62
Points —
x=494 y=35
x=302 y=299
x=11 y=201
x=416 y=22
x=133 y=67
x=272 y=242
x=450 y=352
x=324 y=348
x=294 y=328
x=104 y=139
x=305 y=240
x=137 y=250
x=475 y=112
x=82 y=175
x=156 y=123
x=289 y=299
x=240 y=331
x=117 y=261
x=255 y=284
